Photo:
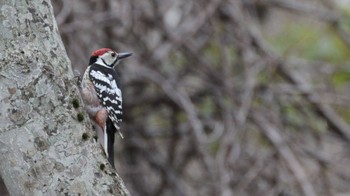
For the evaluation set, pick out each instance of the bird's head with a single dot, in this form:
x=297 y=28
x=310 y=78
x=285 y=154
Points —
x=107 y=57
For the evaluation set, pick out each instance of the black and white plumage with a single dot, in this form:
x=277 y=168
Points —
x=102 y=96
x=105 y=82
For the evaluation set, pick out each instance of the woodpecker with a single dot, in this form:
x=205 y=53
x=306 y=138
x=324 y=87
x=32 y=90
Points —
x=102 y=96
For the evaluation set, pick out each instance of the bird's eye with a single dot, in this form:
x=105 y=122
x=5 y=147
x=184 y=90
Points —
x=113 y=54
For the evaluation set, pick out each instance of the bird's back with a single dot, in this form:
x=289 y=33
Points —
x=106 y=83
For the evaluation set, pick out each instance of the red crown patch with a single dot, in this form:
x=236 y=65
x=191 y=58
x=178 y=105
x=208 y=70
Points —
x=100 y=52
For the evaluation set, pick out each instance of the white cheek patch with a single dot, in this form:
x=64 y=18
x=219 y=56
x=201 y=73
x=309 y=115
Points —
x=108 y=58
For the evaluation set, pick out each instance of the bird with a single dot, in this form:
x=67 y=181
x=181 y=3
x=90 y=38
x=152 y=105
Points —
x=102 y=96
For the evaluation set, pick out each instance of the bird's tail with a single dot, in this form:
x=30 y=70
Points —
x=120 y=134
x=110 y=133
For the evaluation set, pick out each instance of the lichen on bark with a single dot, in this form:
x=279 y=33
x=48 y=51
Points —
x=41 y=147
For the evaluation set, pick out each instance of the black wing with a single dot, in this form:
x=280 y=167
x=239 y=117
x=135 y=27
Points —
x=105 y=81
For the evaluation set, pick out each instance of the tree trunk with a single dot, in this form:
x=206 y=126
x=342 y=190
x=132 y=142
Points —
x=44 y=148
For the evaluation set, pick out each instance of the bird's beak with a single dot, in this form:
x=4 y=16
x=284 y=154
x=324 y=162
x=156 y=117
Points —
x=124 y=55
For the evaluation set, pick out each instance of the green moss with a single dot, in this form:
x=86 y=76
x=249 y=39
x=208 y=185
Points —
x=85 y=136
x=75 y=103
x=80 y=116
x=102 y=166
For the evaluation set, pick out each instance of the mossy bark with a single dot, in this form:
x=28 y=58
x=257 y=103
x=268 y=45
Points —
x=42 y=147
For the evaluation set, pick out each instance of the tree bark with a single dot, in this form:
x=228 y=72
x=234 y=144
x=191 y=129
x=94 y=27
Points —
x=44 y=148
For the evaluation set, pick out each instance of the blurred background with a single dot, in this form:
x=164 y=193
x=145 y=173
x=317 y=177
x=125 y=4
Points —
x=225 y=97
